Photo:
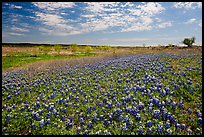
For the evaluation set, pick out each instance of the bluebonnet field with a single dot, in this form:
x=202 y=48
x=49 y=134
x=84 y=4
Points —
x=131 y=94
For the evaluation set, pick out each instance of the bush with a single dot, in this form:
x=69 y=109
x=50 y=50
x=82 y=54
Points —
x=74 y=47
x=88 y=48
x=58 y=48
x=44 y=49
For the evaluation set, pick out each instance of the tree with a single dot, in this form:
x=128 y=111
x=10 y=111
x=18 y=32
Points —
x=189 y=41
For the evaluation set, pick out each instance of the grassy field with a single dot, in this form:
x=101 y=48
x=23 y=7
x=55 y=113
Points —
x=14 y=57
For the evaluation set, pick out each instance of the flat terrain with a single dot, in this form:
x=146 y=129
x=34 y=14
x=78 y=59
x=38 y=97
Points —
x=19 y=57
x=102 y=90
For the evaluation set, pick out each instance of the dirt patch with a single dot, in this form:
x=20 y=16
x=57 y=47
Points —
x=61 y=53
x=7 y=50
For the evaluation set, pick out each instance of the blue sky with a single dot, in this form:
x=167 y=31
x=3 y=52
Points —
x=101 y=23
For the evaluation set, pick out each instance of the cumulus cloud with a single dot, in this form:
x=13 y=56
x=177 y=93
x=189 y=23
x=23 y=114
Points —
x=53 y=5
x=98 y=16
x=190 y=21
x=164 y=25
x=19 y=29
x=151 y=8
x=49 y=19
x=187 y=5
x=135 y=17
x=15 y=6
x=15 y=34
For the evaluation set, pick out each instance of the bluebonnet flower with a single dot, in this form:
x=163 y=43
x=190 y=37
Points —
x=68 y=125
x=9 y=97
x=149 y=131
x=79 y=130
x=199 y=121
x=42 y=123
x=168 y=101
x=149 y=123
x=14 y=106
x=106 y=122
x=169 y=132
x=101 y=117
x=63 y=118
x=160 y=129
x=189 y=111
x=156 y=114
x=178 y=126
x=150 y=109
x=198 y=131
x=141 y=106
x=4 y=107
x=167 y=125
x=8 y=117
x=81 y=120
x=189 y=131
x=90 y=125
x=140 y=131
x=156 y=101
x=47 y=121
x=183 y=126
x=174 y=104
x=198 y=113
x=138 y=117
x=9 y=109
x=71 y=118
x=33 y=126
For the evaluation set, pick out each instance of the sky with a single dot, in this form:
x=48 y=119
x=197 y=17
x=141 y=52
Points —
x=102 y=23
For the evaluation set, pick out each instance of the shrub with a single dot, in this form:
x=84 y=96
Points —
x=189 y=41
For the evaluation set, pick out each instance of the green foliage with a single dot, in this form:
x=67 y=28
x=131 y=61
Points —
x=88 y=49
x=58 y=48
x=104 y=47
x=189 y=41
x=44 y=49
x=74 y=47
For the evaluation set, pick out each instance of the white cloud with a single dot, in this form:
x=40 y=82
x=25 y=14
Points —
x=187 y=5
x=194 y=21
x=158 y=19
x=15 y=34
x=190 y=21
x=15 y=7
x=136 y=27
x=151 y=8
x=128 y=19
x=19 y=29
x=49 y=19
x=200 y=23
x=53 y=5
x=14 y=20
x=146 y=20
x=164 y=25
x=25 y=25
x=45 y=30
x=88 y=16
x=98 y=16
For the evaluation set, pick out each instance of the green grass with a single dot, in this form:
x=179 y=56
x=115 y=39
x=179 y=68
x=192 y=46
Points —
x=19 y=59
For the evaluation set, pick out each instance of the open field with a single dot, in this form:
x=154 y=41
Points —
x=101 y=90
x=18 y=56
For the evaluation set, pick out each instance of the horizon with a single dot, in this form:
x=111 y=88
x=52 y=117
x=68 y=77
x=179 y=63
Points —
x=102 y=23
